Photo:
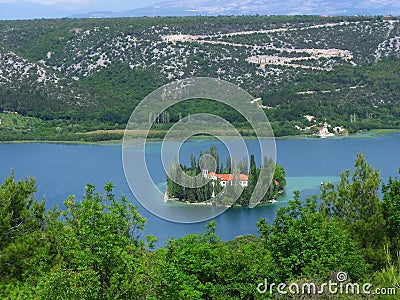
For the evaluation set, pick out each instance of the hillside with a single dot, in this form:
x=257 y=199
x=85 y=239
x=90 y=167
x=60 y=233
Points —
x=90 y=73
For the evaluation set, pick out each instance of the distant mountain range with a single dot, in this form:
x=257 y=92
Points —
x=31 y=10
x=261 y=7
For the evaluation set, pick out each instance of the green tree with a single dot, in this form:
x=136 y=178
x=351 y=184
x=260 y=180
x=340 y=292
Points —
x=189 y=265
x=389 y=276
x=279 y=175
x=28 y=244
x=391 y=212
x=301 y=241
x=252 y=174
x=101 y=252
x=22 y=220
x=355 y=202
x=200 y=266
x=245 y=262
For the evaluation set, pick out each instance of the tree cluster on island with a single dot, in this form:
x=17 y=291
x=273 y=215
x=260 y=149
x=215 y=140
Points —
x=229 y=181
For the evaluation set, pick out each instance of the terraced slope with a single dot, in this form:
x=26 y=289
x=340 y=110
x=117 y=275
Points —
x=98 y=69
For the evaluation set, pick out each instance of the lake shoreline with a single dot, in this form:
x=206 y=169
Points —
x=175 y=202
x=360 y=134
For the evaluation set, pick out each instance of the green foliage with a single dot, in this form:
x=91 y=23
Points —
x=280 y=177
x=388 y=277
x=95 y=251
x=304 y=244
x=68 y=284
x=355 y=202
x=202 y=267
x=391 y=213
x=101 y=236
x=22 y=221
x=246 y=262
x=190 y=266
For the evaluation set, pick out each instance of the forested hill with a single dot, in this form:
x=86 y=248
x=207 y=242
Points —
x=85 y=74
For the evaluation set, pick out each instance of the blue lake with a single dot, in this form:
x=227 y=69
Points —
x=62 y=170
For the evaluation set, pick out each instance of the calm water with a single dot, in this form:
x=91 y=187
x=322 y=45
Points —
x=62 y=170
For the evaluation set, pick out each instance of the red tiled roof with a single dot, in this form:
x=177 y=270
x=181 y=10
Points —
x=229 y=177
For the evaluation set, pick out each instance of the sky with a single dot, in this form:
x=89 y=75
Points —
x=90 y=5
x=28 y=9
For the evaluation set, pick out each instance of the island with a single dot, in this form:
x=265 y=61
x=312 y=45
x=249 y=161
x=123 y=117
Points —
x=230 y=184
